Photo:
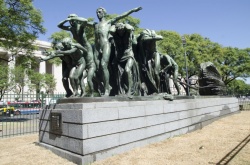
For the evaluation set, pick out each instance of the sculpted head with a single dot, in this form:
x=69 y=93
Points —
x=59 y=46
x=72 y=22
x=120 y=28
x=101 y=12
x=72 y=15
x=67 y=42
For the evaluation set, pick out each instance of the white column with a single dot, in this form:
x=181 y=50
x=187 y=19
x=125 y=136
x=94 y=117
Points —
x=42 y=67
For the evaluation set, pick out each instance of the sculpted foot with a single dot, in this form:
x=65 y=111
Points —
x=69 y=94
x=106 y=93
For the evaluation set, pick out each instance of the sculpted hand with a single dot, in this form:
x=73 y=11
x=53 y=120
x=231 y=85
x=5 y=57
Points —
x=57 y=52
x=138 y=9
x=46 y=52
x=41 y=59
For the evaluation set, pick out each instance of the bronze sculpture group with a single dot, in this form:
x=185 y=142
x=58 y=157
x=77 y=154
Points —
x=119 y=63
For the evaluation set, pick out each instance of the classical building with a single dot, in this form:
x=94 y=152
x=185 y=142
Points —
x=44 y=67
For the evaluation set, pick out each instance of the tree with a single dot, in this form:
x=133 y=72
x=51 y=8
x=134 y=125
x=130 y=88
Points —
x=20 y=24
x=4 y=76
x=36 y=81
x=49 y=83
x=198 y=50
x=171 y=43
x=234 y=63
x=19 y=73
x=238 y=88
x=58 y=36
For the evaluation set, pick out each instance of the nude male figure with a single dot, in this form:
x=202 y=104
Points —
x=123 y=38
x=78 y=64
x=102 y=44
x=77 y=28
x=66 y=66
x=170 y=67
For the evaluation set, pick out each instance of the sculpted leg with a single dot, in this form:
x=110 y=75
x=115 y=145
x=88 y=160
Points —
x=175 y=76
x=91 y=73
x=104 y=65
x=65 y=82
x=82 y=85
x=78 y=77
x=128 y=67
x=72 y=79
x=157 y=68
x=66 y=86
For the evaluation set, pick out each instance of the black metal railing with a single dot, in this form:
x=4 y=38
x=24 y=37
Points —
x=244 y=104
x=20 y=115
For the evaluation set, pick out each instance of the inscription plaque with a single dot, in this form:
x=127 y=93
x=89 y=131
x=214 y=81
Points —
x=56 y=122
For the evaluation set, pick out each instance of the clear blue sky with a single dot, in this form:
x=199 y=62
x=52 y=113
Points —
x=226 y=22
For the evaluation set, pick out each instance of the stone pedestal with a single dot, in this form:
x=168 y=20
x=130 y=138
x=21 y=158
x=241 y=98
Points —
x=84 y=130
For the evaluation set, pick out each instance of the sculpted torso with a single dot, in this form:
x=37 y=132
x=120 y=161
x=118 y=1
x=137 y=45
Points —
x=101 y=34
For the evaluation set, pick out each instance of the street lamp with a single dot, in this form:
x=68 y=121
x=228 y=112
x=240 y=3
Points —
x=184 y=46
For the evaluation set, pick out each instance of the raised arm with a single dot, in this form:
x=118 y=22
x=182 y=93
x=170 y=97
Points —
x=81 y=19
x=62 y=26
x=84 y=20
x=123 y=15
x=66 y=52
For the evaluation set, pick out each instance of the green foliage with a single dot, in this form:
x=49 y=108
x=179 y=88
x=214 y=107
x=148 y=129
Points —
x=238 y=88
x=39 y=81
x=58 y=36
x=4 y=75
x=90 y=32
x=27 y=62
x=234 y=63
x=20 y=25
x=19 y=73
x=171 y=43
x=36 y=79
x=49 y=83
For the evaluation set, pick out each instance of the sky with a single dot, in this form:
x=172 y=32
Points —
x=226 y=22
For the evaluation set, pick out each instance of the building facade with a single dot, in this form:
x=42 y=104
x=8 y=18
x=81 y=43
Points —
x=44 y=67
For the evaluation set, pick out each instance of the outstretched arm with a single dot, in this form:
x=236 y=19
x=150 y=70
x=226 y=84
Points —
x=45 y=58
x=66 y=52
x=79 y=46
x=51 y=55
x=62 y=26
x=125 y=14
x=167 y=58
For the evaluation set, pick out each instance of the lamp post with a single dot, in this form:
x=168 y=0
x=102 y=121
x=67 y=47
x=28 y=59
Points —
x=184 y=46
